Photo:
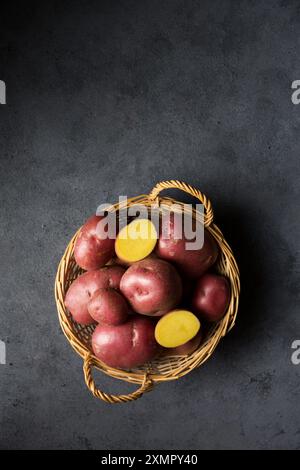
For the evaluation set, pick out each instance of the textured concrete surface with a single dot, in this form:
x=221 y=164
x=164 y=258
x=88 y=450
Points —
x=106 y=98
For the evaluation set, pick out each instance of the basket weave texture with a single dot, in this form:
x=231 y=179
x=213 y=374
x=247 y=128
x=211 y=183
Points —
x=164 y=368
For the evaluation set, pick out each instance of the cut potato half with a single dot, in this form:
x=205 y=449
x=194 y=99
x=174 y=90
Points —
x=136 y=241
x=176 y=328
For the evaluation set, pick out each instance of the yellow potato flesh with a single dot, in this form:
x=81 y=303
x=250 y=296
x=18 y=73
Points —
x=176 y=328
x=136 y=241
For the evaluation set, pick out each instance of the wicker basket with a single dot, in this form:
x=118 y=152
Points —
x=164 y=368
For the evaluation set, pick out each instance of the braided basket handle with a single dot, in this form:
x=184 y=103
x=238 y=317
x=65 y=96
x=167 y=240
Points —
x=208 y=210
x=89 y=362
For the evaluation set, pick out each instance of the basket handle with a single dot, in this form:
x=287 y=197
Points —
x=208 y=210
x=89 y=362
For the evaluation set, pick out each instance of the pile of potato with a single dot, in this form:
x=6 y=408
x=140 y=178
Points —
x=150 y=296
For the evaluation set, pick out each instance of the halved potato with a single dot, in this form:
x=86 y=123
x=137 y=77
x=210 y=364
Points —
x=136 y=241
x=176 y=328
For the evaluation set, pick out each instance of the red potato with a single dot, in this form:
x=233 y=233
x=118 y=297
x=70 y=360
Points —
x=126 y=346
x=152 y=286
x=92 y=248
x=108 y=306
x=191 y=263
x=211 y=297
x=82 y=289
x=184 y=349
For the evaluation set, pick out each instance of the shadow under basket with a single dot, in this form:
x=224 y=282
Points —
x=164 y=368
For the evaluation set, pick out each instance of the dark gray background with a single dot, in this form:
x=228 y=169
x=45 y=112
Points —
x=107 y=98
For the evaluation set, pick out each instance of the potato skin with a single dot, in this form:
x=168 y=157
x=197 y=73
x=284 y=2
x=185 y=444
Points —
x=82 y=289
x=190 y=263
x=152 y=286
x=211 y=297
x=107 y=306
x=186 y=348
x=126 y=346
x=92 y=250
